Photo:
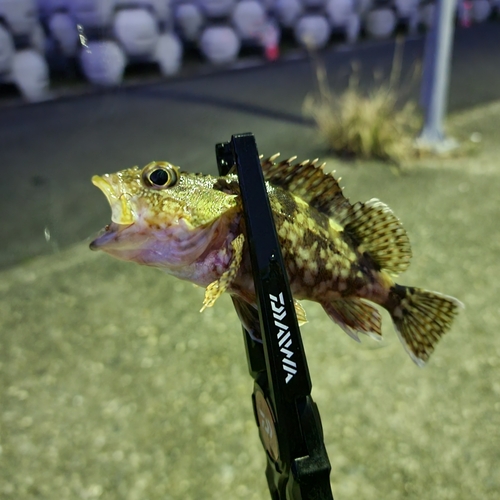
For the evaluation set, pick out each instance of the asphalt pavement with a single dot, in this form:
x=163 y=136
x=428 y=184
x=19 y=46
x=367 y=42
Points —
x=113 y=386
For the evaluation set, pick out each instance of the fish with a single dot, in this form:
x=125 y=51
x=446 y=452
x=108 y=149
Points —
x=344 y=256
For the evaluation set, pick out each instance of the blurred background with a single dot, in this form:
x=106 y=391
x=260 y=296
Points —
x=112 y=385
x=47 y=46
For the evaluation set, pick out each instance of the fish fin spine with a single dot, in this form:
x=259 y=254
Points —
x=308 y=181
x=421 y=318
x=380 y=234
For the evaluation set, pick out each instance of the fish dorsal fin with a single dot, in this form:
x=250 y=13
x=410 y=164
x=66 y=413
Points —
x=310 y=183
x=372 y=225
x=380 y=234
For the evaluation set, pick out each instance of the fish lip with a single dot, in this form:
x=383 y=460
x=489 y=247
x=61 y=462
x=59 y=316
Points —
x=122 y=212
x=107 y=234
x=105 y=185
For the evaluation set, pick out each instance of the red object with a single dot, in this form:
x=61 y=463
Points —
x=272 y=52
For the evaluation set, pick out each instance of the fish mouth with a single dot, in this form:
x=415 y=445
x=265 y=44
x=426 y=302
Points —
x=121 y=211
x=107 y=235
x=122 y=214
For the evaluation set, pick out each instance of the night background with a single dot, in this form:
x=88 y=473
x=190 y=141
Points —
x=112 y=385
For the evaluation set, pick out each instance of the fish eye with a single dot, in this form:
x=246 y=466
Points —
x=160 y=175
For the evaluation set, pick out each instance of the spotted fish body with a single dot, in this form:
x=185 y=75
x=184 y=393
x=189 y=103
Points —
x=340 y=255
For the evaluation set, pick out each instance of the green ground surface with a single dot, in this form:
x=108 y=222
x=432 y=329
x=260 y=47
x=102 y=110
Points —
x=113 y=386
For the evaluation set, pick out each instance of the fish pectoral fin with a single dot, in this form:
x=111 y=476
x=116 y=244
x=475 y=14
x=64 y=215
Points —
x=300 y=313
x=355 y=316
x=218 y=287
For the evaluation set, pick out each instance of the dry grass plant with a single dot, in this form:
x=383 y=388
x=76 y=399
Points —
x=372 y=125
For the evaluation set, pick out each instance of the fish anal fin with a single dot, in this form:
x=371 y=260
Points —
x=380 y=234
x=355 y=316
x=300 y=313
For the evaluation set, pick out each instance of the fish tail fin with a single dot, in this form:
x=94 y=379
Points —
x=421 y=318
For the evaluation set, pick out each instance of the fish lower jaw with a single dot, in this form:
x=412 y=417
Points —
x=108 y=236
x=176 y=249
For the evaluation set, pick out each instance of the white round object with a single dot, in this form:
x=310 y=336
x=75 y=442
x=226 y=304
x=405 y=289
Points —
x=30 y=73
x=160 y=8
x=168 y=54
x=189 y=20
x=250 y=19
x=216 y=8
x=481 y=10
x=380 y=23
x=339 y=12
x=137 y=31
x=103 y=63
x=92 y=13
x=63 y=30
x=7 y=50
x=288 y=11
x=20 y=15
x=220 y=44
x=312 y=31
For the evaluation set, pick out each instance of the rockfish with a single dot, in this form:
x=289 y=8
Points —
x=338 y=254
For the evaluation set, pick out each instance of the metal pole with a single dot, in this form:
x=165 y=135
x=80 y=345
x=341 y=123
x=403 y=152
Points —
x=437 y=61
